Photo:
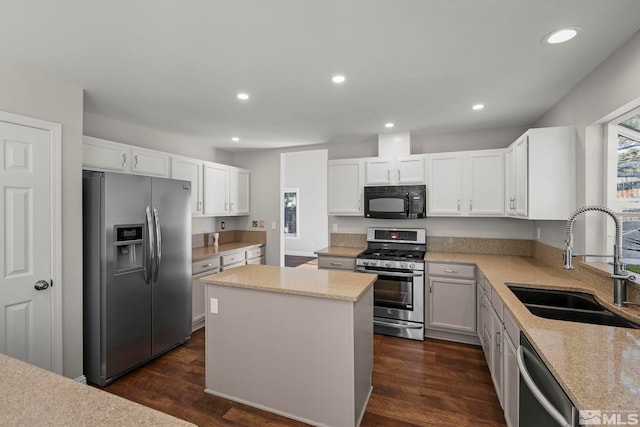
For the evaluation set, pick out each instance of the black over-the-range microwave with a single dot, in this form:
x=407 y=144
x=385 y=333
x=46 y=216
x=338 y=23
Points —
x=395 y=201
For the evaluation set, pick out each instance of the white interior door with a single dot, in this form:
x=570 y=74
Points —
x=26 y=321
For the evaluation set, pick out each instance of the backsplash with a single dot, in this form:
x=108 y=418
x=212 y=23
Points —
x=206 y=239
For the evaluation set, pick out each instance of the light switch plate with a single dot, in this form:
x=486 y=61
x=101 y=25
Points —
x=214 y=305
x=273 y=225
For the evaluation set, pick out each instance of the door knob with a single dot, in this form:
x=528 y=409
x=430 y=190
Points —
x=41 y=285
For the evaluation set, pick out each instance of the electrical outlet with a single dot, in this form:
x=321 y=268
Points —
x=335 y=228
x=214 y=305
x=538 y=233
x=261 y=223
x=222 y=225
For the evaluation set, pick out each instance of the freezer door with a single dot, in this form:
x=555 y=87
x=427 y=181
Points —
x=126 y=305
x=171 y=295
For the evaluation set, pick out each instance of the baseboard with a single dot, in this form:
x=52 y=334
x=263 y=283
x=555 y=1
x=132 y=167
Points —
x=81 y=379
x=197 y=323
x=452 y=336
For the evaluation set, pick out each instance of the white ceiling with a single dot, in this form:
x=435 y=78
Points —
x=176 y=65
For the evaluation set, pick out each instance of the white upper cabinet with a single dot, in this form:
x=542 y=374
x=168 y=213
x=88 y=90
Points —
x=226 y=190
x=541 y=174
x=345 y=186
x=401 y=170
x=100 y=154
x=150 y=162
x=485 y=182
x=238 y=191
x=190 y=170
x=466 y=183
x=445 y=184
x=216 y=189
x=105 y=155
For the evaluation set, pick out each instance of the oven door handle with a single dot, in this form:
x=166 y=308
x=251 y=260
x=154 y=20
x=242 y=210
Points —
x=396 y=325
x=388 y=273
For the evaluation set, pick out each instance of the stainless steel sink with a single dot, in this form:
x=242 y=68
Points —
x=570 y=306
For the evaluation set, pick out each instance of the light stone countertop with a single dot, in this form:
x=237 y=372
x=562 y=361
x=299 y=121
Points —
x=330 y=284
x=30 y=396
x=198 y=254
x=597 y=366
x=340 y=251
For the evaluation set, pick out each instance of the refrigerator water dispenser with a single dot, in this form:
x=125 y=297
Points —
x=129 y=248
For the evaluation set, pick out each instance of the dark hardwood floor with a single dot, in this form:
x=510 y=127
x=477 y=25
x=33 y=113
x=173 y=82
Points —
x=430 y=383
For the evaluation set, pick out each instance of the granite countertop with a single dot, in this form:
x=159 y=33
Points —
x=31 y=396
x=198 y=254
x=342 y=251
x=330 y=284
x=597 y=366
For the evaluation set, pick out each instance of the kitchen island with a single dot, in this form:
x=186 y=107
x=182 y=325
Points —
x=295 y=342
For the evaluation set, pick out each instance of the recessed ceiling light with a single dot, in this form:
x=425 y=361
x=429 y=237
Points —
x=235 y=139
x=477 y=107
x=243 y=96
x=389 y=125
x=338 y=78
x=562 y=35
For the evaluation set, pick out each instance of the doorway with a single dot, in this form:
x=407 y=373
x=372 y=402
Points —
x=303 y=206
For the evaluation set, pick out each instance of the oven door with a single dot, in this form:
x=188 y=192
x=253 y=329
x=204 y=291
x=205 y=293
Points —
x=398 y=294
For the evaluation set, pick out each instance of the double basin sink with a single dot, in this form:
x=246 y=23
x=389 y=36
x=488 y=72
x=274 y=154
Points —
x=568 y=305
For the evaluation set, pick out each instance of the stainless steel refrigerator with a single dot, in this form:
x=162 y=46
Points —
x=137 y=270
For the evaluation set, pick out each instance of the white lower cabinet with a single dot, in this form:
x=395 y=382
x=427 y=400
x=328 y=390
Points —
x=499 y=336
x=450 y=299
x=510 y=381
x=199 y=269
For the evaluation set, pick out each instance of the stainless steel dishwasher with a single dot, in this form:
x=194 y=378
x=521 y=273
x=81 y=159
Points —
x=542 y=400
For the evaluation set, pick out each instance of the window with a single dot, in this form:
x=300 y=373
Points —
x=291 y=212
x=624 y=153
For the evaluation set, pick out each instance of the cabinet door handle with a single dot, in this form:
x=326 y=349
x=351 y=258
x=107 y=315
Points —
x=458 y=205
x=135 y=161
x=498 y=343
x=124 y=160
x=470 y=205
x=388 y=175
x=398 y=175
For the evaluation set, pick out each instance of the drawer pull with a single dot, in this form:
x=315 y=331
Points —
x=336 y=263
x=451 y=270
x=207 y=265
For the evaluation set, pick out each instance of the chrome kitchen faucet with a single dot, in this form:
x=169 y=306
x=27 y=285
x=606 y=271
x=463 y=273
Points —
x=620 y=275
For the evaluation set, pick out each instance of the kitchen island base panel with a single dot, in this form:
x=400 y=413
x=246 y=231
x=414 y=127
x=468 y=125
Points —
x=302 y=357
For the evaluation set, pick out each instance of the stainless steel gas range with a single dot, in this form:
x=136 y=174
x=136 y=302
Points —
x=396 y=255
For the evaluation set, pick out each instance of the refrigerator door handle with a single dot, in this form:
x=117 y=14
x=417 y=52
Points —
x=156 y=217
x=150 y=254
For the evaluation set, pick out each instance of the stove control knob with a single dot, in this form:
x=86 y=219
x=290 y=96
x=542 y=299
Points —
x=412 y=265
x=403 y=265
x=388 y=264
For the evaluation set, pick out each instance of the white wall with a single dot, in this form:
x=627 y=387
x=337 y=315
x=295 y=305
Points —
x=609 y=90
x=307 y=171
x=31 y=95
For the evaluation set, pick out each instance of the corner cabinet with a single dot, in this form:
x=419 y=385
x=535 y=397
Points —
x=466 y=183
x=541 y=177
x=345 y=187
